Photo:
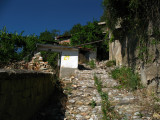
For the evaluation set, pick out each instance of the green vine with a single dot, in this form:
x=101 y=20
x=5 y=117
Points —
x=138 y=18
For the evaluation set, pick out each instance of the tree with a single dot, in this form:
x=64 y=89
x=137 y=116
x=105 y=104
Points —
x=10 y=44
x=48 y=36
x=85 y=34
x=90 y=33
x=139 y=21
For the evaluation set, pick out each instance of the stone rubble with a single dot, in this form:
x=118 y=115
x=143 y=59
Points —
x=36 y=64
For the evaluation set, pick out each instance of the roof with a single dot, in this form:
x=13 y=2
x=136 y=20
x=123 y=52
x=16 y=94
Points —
x=54 y=48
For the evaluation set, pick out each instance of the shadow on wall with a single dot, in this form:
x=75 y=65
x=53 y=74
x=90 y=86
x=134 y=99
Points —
x=55 y=108
x=129 y=50
x=129 y=44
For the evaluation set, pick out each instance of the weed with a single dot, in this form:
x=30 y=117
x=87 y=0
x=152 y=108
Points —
x=98 y=84
x=68 y=88
x=126 y=77
x=140 y=115
x=118 y=87
x=111 y=63
x=92 y=104
x=156 y=108
x=92 y=64
x=155 y=97
x=107 y=110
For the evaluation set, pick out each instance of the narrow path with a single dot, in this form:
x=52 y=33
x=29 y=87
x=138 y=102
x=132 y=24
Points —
x=80 y=100
x=82 y=96
x=82 y=93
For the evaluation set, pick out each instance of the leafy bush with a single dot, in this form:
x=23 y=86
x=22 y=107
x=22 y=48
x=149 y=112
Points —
x=51 y=57
x=126 y=77
x=111 y=63
x=15 y=47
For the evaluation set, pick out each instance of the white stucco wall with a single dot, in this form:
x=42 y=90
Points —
x=69 y=59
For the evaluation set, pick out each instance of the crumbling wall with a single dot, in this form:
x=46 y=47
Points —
x=22 y=93
x=36 y=64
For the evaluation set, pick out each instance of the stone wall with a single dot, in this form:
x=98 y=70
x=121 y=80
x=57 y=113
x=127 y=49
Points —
x=115 y=52
x=22 y=93
x=125 y=53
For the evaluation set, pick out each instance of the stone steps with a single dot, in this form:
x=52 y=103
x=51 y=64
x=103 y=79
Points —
x=83 y=93
x=124 y=102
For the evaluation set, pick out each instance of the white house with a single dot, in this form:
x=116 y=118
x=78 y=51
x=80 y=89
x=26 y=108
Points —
x=69 y=57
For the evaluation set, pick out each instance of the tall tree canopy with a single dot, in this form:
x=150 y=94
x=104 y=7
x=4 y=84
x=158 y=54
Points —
x=89 y=34
x=85 y=34
x=10 y=44
x=48 y=36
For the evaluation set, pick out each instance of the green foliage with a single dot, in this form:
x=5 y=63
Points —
x=11 y=43
x=92 y=64
x=108 y=111
x=51 y=57
x=98 y=84
x=46 y=36
x=111 y=63
x=89 y=33
x=112 y=38
x=129 y=11
x=126 y=77
x=134 y=17
x=86 y=34
x=68 y=88
x=92 y=104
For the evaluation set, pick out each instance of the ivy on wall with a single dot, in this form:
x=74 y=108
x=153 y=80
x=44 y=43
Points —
x=140 y=18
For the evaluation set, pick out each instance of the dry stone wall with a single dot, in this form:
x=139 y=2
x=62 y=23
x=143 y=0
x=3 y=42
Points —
x=36 y=64
x=22 y=93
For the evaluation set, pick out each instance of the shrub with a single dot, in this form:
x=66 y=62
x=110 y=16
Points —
x=111 y=63
x=126 y=77
x=92 y=64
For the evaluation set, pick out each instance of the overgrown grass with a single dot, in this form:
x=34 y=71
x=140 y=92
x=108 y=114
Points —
x=126 y=77
x=107 y=109
x=111 y=63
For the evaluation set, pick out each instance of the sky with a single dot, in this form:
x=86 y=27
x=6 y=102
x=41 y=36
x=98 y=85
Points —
x=36 y=16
